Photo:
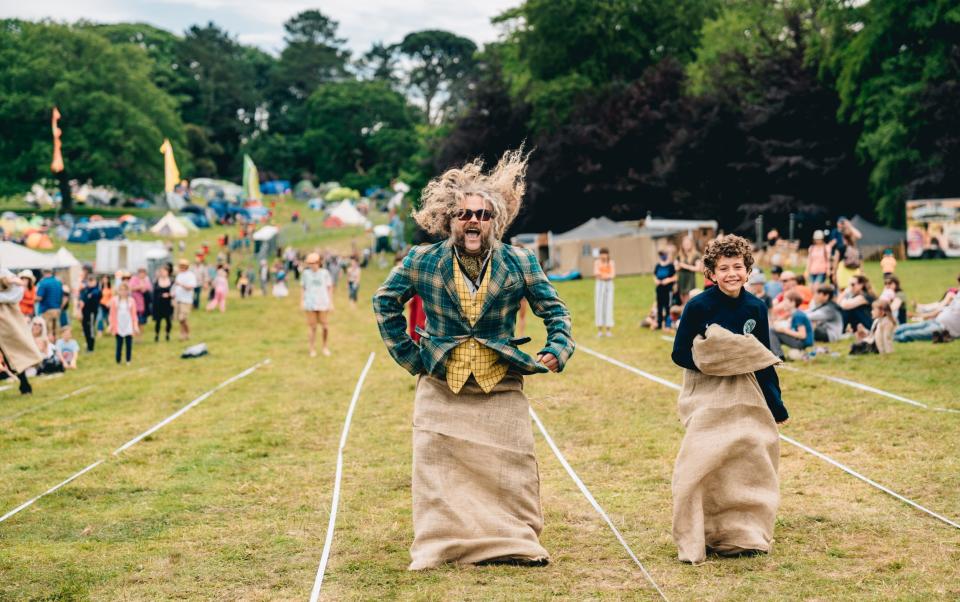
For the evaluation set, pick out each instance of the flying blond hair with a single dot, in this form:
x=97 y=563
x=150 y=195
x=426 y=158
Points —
x=502 y=187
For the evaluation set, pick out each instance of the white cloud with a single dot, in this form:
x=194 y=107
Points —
x=260 y=22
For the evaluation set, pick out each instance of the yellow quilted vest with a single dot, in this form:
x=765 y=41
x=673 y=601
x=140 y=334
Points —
x=471 y=357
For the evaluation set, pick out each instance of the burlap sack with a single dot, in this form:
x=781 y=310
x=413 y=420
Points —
x=476 y=487
x=725 y=484
x=16 y=340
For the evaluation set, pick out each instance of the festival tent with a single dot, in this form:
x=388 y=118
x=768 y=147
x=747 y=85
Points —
x=877 y=238
x=210 y=189
x=266 y=240
x=17 y=257
x=348 y=214
x=633 y=251
x=170 y=226
x=129 y=255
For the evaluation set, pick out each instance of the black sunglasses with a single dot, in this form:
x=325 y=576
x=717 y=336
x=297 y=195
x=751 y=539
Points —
x=483 y=215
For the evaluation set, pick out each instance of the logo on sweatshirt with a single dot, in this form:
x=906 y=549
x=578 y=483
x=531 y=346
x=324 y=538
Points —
x=749 y=325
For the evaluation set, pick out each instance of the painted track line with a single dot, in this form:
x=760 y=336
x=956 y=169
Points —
x=136 y=439
x=793 y=442
x=32 y=409
x=593 y=502
x=328 y=541
x=854 y=384
x=861 y=386
x=187 y=407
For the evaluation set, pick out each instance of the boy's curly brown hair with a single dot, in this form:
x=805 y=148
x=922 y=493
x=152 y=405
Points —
x=729 y=245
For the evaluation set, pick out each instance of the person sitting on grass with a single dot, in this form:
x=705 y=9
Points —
x=943 y=326
x=68 y=348
x=794 y=283
x=825 y=315
x=894 y=295
x=796 y=331
x=856 y=302
x=725 y=483
x=879 y=339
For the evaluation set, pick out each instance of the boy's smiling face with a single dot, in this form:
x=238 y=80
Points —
x=730 y=274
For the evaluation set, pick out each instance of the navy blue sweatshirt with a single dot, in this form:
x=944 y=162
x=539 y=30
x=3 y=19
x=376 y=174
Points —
x=713 y=307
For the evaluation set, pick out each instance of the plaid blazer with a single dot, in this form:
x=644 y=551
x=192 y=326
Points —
x=428 y=271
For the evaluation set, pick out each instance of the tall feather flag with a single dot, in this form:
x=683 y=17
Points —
x=251 y=179
x=56 y=165
x=171 y=175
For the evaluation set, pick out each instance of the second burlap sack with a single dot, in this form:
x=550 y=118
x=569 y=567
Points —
x=725 y=484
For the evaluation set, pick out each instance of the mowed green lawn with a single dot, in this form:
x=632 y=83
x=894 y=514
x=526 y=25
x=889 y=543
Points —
x=231 y=500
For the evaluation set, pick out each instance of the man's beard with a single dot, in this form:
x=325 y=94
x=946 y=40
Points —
x=460 y=241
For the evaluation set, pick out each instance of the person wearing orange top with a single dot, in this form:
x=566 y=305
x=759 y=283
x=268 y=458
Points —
x=604 y=271
x=28 y=302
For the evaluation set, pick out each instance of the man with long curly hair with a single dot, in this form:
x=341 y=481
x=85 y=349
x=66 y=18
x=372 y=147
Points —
x=476 y=488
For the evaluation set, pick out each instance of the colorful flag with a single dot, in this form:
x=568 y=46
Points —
x=56 y=165
x=171 y=175
x=251 y=180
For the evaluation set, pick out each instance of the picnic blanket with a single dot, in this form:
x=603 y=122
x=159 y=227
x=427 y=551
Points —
x=725 y=484
x=476 y=486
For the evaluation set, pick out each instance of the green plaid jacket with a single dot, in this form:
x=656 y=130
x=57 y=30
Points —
x=428 y=271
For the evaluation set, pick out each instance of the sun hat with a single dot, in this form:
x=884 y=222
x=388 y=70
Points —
x=818 y=235
x=27 y=274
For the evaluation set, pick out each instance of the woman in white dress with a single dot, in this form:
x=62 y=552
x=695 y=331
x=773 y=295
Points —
x=604 y=272
x=317 y=300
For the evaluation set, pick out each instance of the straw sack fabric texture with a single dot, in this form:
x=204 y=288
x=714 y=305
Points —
x=16 y=340
x=476 y=485
x=725 y=484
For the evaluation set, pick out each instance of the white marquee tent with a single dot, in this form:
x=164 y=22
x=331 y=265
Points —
x=348 y=214
x=170 y=226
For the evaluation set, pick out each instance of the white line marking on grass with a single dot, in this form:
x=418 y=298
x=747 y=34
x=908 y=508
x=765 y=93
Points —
x=869 y=389
x=593 y=502
x=810 y=450
x=856 y=474
x=666 y=338
x=328 y=541
x=43 y=405
x=187 y=408
x=138 y=437
x=6 y=387
x=49 y=491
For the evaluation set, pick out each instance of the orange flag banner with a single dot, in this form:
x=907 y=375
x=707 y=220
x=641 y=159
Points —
x=56 y=166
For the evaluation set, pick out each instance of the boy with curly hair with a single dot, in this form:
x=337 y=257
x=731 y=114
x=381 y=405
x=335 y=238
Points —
x=725 y=486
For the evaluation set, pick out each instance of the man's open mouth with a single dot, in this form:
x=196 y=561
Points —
x=471 y=234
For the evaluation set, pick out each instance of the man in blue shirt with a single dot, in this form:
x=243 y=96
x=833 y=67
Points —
x=49 y=300
x=796 y=333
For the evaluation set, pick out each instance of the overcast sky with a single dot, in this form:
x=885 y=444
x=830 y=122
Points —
x=260 y=22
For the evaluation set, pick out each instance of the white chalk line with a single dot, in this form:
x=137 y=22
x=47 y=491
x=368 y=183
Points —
x=328 y=541
x=30 y=502
x=593 y=502
x=854 y=384
x=136 y=439
x=805 y=448
x=861 y=386
x=43 y=405
x=188 y=407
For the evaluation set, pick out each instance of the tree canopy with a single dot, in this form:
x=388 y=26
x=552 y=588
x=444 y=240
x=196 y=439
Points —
x=707 y=108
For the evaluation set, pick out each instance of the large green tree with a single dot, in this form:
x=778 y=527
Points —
x=888 y=55
x=360 y=132
x=114 y=117
x=220 y=97
x=565 y=50
x=440 y=65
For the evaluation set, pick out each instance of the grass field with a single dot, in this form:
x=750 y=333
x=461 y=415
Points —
x=231 y=500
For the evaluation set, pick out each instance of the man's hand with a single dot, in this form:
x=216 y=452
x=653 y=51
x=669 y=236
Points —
x=783 y=422
x=549 y=360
